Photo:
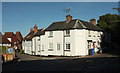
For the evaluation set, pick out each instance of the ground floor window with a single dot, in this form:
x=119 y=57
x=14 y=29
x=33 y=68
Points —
x=68 y=46
x=50 y=47
x=42 y=48
x=58 y=46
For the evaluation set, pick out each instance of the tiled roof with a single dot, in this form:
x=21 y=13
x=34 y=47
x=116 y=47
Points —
x=19 y=36
x=30 y=35
x=73 y=24
x=12 y=36
x=14 y=39
x=4 y=40
x=39 y=33
x=9 y=34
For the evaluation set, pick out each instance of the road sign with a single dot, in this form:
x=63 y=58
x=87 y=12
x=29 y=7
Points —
x=10 y=50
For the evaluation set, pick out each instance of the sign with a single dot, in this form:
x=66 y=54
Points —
x=10 y=50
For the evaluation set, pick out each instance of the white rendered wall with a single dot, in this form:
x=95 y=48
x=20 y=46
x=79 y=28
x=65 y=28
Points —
x=80 y=42
x=27 y=47
x=57 y=38
x=71 y=40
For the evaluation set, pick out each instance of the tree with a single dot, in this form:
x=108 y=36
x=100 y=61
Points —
x=111 y=23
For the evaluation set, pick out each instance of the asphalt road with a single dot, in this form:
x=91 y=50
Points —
x=104 y=63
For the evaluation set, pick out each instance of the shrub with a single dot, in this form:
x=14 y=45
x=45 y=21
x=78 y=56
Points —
x=22 y=51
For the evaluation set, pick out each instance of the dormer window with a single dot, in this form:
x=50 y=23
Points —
x=50 y=33
x=67 y=33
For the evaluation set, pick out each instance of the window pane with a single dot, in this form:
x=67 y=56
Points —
x=58 y=46
x=67 y=46
x=50 y=45
x=51 y=33
x=67 y=33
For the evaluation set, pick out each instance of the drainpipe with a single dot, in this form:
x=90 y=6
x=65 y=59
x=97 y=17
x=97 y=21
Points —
x=63 y=44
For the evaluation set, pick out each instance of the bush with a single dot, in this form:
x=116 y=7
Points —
x=22 y=51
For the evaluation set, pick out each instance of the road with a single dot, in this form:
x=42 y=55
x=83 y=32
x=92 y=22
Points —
x=104 y=62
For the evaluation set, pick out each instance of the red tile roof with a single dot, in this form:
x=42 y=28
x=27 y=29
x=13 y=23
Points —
x=14 y=39
x=19 y=36
x=9 y=34
x=4 y=40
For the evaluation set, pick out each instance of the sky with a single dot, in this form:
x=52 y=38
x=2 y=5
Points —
x=21 y=16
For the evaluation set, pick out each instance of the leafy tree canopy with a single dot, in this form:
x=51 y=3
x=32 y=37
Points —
x=109 y=21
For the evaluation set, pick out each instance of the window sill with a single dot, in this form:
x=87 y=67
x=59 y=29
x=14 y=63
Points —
x=89 y=35
x=67 y=50
x=66 y=35
x=50 y=49
x=50 y=36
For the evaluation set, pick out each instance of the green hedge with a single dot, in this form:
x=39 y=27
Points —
x=22 y=51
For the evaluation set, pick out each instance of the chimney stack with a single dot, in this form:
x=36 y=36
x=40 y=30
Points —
x=93 y=21
x=68 y=18
x=31 y=29
x=35 y=28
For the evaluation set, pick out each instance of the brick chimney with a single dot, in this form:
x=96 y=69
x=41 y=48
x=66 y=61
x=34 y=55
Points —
x=35 y=28
x=31 y=29
x=68 y=18
x=93 y=21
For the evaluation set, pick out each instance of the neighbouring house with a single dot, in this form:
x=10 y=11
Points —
x=20 y=38
x=73 y=37
x=15 y=39
x=4 y=41
x=36 y=42
x=27 y=43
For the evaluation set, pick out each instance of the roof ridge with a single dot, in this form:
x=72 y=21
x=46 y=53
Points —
x=64 y=21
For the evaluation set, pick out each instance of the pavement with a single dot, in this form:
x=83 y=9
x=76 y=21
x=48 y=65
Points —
x=98 y=62
x=25 y=57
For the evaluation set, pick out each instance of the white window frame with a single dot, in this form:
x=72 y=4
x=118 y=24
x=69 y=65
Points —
x=50 y=47
x=89 y=33
x=67 y=33
x=42 y=48
x=58 y=46
x=50 y=33
x=68 y=46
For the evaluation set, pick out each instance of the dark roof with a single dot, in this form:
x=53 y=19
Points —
x=4 y=40
x=39 y=33
x=31 y=35
x=73 y=24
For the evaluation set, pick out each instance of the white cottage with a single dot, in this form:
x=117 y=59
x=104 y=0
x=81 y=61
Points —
x=28 y=44
x=68 y=38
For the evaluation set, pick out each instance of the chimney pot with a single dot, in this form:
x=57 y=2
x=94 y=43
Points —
x=68 y=18
x=93 y=21
x=31 y=29
x=35 y=28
